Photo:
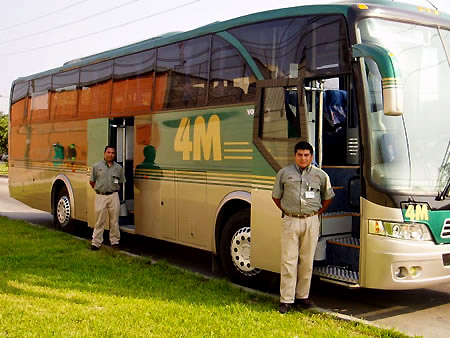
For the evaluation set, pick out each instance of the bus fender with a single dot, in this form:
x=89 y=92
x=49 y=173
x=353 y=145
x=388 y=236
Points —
x=230 y=204
x=65 y=180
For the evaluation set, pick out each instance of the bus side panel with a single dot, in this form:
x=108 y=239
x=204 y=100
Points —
x=382 y=256
x=97 y=138
x=41 y=152
x=186 y=163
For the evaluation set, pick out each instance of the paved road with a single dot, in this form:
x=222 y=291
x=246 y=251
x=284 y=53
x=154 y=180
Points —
x=424 y=312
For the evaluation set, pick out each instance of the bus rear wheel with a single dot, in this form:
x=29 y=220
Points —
x=235 y=250
x=63 y=212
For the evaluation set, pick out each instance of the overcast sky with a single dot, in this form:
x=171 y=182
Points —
x=40 y=35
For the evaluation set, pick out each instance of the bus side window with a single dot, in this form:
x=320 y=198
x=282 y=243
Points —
x=231 y=80
x=280 y=113
x=40 y=98
x=184 y=65
x=95 y=90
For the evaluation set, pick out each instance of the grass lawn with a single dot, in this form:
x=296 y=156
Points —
x=52 y=285
x=3 y=168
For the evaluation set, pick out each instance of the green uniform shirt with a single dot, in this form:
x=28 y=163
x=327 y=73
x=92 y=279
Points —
x=107 y=179
x=302 y=191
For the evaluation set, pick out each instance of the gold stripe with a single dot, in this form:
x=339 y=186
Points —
x=238 y=150
x=237 y=157
x=235 y=143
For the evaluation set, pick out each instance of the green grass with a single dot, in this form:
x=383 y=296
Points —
x=3 y=168
x=52 y=285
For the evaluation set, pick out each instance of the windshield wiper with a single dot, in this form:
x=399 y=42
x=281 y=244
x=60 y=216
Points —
x=444 y=171
x=443 y=195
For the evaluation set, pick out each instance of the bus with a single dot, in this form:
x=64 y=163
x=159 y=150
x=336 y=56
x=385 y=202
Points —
x=203 y=120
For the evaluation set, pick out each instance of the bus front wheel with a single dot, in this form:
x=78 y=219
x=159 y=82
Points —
x=63 y=211
x=235 y=250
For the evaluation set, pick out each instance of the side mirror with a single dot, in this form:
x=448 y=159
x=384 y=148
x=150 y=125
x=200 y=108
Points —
x=390 y=74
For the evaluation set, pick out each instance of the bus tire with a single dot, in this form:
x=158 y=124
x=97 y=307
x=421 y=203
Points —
x=235 y=250
x=63 y=211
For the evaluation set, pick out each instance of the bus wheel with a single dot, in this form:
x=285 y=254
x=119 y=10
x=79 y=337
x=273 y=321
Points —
x=235 y=250
x=63 y=212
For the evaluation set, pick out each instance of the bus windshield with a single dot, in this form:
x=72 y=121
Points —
x=409 y=153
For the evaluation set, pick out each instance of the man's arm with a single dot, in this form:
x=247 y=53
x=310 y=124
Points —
x=325 y=205
x=277 y=201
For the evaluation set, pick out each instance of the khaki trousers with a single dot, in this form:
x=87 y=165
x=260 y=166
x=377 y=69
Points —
x=106 y=205
x=299 y=238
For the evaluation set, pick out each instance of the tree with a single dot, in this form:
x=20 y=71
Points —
x=3 y=133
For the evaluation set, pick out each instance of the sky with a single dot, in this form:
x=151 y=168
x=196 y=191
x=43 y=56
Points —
x=39 y=35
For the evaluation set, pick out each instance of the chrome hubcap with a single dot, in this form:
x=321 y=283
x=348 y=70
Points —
x=63 y=211
x=240 y=252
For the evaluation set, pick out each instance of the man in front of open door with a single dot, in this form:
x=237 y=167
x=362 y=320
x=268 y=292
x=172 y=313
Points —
x=106 y=177
x=302 y=192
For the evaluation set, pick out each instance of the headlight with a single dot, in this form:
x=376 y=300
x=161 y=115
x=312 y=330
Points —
x=411 y=231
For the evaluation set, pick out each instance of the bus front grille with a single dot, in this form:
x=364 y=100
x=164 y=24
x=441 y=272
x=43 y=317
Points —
x=445 y=233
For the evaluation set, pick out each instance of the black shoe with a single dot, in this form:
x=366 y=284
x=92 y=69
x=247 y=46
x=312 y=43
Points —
x=304 y=303
x=115 y=246
x=284 y=308
x=94 y=248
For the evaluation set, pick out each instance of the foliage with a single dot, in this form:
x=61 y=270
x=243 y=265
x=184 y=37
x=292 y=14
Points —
x=52 y=285
x=3 y=133
x=3 y=168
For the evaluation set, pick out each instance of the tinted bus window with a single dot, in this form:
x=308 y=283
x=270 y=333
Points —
x=95 y=93
x=133 y=82
x=40 y=98
x=182 y=73
x=20 y=91
x=19 y=103
x=231 y=80
x=316 y=45
x=64 y=99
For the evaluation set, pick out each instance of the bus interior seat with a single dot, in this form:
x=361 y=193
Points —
x=335 y=122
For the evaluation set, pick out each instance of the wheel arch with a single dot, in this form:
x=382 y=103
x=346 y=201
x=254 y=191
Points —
x=230 y=204
x=59 y=182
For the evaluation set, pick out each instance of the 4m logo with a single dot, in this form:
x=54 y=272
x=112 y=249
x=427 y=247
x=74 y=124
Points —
x=417 y=212
x=205 y=138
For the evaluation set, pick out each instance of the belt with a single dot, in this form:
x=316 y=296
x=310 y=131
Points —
x=299 y=215
x=106 y=193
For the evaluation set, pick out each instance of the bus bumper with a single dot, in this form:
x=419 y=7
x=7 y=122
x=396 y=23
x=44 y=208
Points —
x=402 y=264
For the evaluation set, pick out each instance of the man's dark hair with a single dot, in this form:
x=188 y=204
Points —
x=303 y=145
x=109 y=146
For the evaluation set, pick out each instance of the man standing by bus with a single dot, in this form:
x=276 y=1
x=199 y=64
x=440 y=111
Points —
x=302 y=192
x=106 y=177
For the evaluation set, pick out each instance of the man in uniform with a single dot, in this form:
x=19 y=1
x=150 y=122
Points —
x=106 y=177
x=302 y=192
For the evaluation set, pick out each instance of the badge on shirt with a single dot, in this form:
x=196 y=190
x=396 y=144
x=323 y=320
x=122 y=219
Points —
x=309 y=194
x=116 y=180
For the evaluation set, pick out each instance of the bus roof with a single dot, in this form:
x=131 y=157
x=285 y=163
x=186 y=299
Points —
x=366 y=8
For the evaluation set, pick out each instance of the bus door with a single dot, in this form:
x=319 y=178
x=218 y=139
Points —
x=122 y=136
x=98 y=138
x=334 y=135
x=279 y=124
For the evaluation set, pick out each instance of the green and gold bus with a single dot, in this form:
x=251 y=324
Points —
x=204 y=119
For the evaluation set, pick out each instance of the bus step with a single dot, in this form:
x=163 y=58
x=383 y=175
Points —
x=337 y=273
x=130 y=228
x=343 y=252
x=340 y=214
x=350 y=242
